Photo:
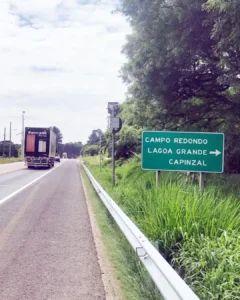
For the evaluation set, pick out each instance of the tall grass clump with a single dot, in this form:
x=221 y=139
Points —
x=211 y=266
x=172 y=214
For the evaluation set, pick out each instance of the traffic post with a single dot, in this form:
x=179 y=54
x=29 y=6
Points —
x=115 y=125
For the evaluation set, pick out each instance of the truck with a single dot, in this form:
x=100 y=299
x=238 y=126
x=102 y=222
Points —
x=39 y=147
x=64 y=155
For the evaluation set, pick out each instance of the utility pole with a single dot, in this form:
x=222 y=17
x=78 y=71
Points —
x=10 y=142
x=99 y=135
x=113 y=157
x=23 y=135
x=100 y=153
x=4 y=139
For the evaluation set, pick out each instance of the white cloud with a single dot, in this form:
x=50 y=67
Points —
x=59 y=61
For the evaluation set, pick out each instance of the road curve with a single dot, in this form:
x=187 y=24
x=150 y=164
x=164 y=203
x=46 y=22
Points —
x=47 y=249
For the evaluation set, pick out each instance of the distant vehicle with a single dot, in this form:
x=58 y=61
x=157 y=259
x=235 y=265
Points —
x=57 y=158
x=64 y=155
x=40 y=147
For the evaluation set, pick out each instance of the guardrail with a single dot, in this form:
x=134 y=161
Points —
x=168 y=282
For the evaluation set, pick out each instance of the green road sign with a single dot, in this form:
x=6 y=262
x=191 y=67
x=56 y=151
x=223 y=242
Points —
x=183 y=151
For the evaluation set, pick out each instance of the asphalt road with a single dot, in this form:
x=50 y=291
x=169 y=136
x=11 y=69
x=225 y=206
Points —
x=13 y=181
x=5 y=168
x=47 y=249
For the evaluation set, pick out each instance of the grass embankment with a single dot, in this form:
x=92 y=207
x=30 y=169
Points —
x=9 y=160
x=198 y=233
x=133 y=278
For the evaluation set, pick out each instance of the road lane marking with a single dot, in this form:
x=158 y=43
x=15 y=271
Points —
x=26 y=186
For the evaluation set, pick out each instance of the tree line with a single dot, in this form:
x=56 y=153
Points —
x=73 y=150
x=182 y=72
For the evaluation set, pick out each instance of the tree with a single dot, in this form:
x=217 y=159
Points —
x=225 y=24
x=171 y=61
x=128 y=142
x=58 y=134
x=90 y=150
x=4 y=149
x=183 y=64
x=59 y=138
x=141 y=114
x=72 y=149
x=94 y=137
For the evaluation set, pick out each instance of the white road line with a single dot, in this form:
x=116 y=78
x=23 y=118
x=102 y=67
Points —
x=26 y=186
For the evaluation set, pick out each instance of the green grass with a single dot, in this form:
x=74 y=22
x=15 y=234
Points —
x=213 y=268
x=9 y=160
x=179 y=218
x=133 y=278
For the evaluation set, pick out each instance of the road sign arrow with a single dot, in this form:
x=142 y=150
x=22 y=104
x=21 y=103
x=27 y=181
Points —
x=216 y=152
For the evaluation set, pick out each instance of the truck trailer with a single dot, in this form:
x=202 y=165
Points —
x=40 y=147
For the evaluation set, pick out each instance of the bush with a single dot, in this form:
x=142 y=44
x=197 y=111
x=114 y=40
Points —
x=90 y=150
x=128 y=142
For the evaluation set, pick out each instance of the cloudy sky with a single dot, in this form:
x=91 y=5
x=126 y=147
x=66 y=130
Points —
x=60 y=61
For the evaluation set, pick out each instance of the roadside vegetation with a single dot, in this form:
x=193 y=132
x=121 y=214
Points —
x=182 y=72
x=9 y=160
x=197 y=233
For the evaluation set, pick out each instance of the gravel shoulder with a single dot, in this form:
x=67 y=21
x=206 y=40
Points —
x=109 y=277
